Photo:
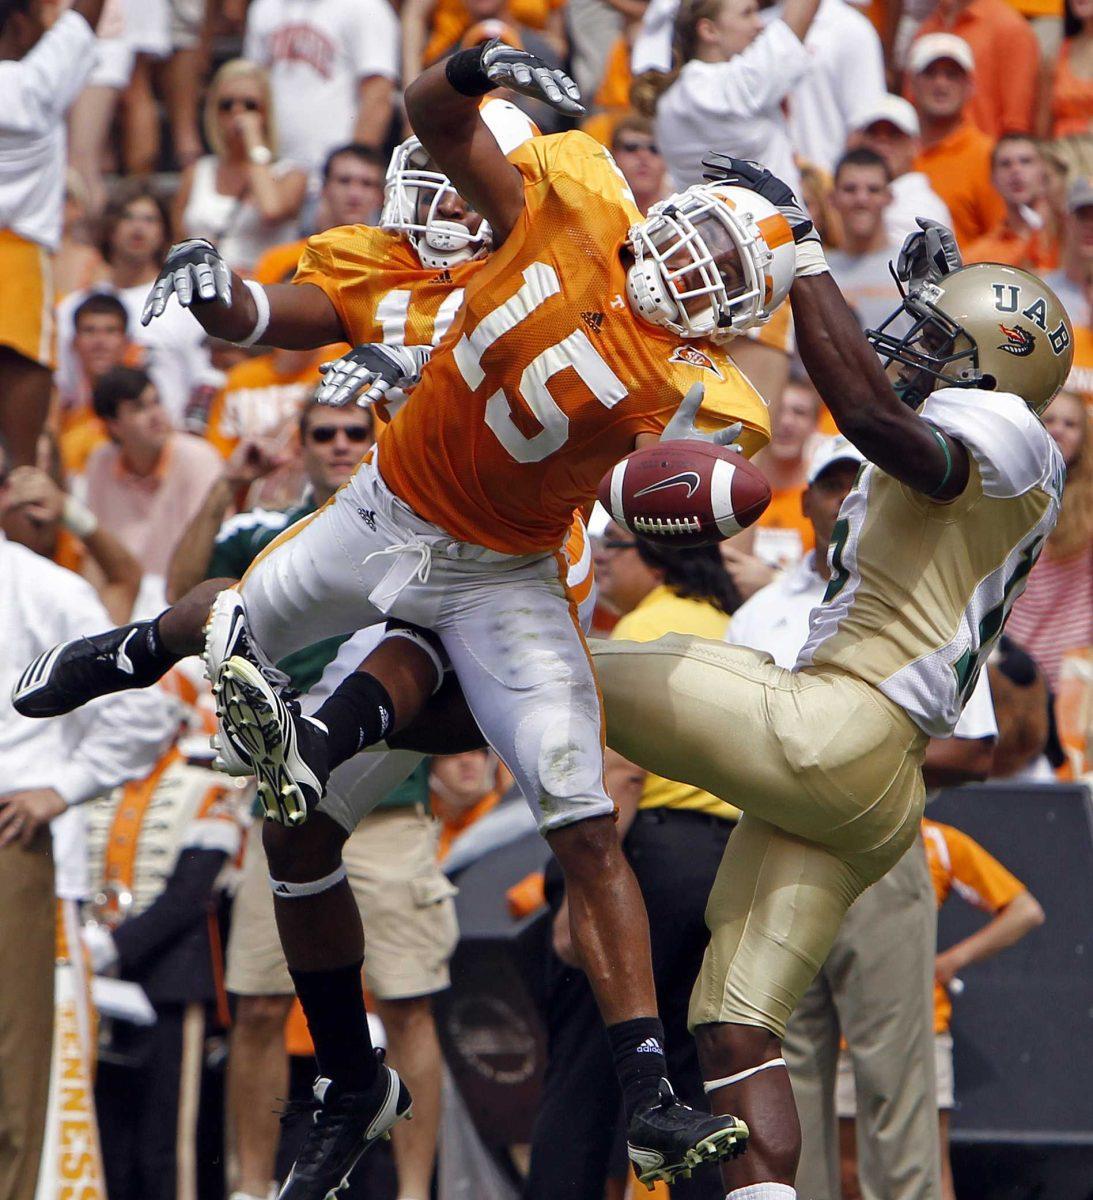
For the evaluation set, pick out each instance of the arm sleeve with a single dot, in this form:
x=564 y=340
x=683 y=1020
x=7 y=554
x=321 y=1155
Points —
x=977 y=876
x=977 y=719
x=1012 y=449
x=36 y=89
x=754 y=81
x=232 y=553
x=183 y=903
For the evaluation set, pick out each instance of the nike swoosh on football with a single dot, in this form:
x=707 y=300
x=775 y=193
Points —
x=123 y=661
x=688 y=479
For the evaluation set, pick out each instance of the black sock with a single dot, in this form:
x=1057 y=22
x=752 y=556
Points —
x=333 y=1003
x=150 y=657
x=358 y=713
x=638 y=1049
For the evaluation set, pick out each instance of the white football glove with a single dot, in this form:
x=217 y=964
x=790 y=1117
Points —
x=191 y=265
x=682 y=424
x=368 y=372
x=521 y=72
x=100 y=946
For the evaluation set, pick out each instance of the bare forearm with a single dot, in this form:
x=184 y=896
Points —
x=269 y=194
x=190 y=560
x=90 y=10
x=1019 y=917
x=847 y=373
x=374 y=111
x=230 y=322
x=956 y=760
x=121 y=573
x=798 y=15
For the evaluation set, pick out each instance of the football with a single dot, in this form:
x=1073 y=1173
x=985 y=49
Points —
x=684 y=493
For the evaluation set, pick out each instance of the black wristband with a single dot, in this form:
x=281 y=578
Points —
x=464 y=72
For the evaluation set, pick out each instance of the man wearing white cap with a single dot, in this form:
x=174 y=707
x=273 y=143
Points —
x=1005 y=55
x=889 y=127
x=955 y=155
x=876 y=986
x=1070 y=281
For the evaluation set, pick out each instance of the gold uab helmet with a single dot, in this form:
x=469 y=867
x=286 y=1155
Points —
x=985 y=326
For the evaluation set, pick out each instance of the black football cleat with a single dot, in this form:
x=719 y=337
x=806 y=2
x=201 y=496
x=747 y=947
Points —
x=73 y=673
x=668 y=1140
x=263 y=734
x=344 y=1127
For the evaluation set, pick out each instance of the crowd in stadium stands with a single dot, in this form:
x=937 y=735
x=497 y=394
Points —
x=147 y=458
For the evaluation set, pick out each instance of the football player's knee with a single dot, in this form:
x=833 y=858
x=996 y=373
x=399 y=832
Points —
x=304 y=852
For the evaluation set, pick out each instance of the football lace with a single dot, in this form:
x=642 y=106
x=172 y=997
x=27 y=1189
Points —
x=666 y=525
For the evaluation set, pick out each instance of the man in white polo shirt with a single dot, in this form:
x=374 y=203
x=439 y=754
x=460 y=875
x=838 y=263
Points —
x=876 y=986
x=41 y=73
x=889 y=127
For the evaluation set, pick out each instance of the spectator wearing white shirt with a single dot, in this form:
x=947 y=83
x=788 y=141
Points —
x=243 y=197
x=846 y=73
x=49 y=767
x=861 y=196
x=726 y=92
x=890 y=128
x=135 y=240
x=41 y=73
x=876 y=986
x=332 y=66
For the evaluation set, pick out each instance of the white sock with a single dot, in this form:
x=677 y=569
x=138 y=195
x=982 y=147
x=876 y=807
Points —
x=764 y=1191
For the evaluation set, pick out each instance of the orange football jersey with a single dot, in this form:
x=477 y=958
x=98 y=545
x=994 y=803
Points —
x=380 y=290
x=547 y=376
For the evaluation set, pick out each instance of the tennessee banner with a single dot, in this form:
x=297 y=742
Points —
x=71 y=1166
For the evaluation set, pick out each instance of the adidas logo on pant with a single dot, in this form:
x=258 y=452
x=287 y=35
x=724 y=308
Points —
x=650 y=1046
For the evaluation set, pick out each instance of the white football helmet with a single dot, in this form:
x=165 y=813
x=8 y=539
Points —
x=412 y=193
x=710 y=262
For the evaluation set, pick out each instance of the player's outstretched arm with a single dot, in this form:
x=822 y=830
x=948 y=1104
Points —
x=289 y=316
x=848 y=375
x=442 y=104
x=841 y=364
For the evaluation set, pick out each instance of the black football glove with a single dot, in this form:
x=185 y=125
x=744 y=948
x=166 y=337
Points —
x=368 y=372
x=928 y=254
x=740 y=172
x=193 y=264
x=530 y=76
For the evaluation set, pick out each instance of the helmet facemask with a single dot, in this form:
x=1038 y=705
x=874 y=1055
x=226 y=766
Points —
x=413 y=193
x=699 y=267
x=935 y=347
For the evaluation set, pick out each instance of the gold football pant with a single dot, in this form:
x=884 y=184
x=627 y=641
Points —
x=827 y=772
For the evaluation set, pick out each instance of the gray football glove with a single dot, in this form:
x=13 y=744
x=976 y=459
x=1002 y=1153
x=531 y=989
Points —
x=506 y=67
x=193 y=265
x=682 y=424
x=928 y=254
x=368 y=372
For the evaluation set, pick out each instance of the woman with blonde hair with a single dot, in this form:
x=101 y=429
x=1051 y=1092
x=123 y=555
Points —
x=726 y=91
x=240 y=197
x=1055 y=614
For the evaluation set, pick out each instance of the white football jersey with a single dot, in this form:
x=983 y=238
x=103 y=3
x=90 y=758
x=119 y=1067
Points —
x=920 y=590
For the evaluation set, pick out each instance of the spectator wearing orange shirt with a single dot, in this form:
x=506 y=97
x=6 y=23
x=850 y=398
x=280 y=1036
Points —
x=1005 y=57
x=955 y=156
x=1066 y=100
x=1026 y=236
x=957 y=863
x=462 y=789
